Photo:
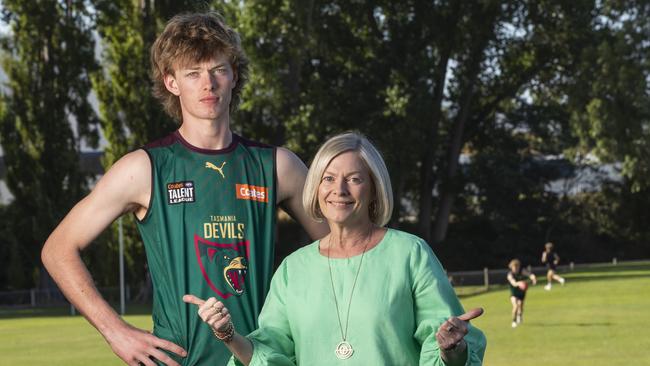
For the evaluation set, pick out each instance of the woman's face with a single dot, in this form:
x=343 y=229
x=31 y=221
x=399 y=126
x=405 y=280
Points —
x=345 y=190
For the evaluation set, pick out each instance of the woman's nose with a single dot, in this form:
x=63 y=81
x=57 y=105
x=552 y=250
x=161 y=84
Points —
x=341 y=187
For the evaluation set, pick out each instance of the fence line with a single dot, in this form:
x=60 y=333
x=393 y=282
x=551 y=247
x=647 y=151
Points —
x=35 y=298
x=40 y=298
x=487 y=277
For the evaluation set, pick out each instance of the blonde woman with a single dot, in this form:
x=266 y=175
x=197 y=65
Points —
x=362 y=295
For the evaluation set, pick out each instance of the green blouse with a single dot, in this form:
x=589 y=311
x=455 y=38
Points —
x=401 y=297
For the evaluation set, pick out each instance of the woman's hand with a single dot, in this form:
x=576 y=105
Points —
x=217 y=316
x=451 y=333
x=212 y=311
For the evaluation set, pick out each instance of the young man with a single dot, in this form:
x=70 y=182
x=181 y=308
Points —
x=550 y=259
x=205 y=202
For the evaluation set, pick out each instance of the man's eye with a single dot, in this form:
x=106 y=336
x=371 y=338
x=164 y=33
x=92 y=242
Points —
x=219 y=71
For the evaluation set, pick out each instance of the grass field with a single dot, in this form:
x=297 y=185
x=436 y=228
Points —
x=601 y=317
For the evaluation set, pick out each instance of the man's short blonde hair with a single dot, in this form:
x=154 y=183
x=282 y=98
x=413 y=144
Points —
x=381 y=204
x=195 y=37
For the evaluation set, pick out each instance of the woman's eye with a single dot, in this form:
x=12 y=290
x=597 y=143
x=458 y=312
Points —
x=328 y=179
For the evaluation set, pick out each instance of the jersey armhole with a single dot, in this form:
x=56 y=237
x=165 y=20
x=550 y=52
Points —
x=151 y=191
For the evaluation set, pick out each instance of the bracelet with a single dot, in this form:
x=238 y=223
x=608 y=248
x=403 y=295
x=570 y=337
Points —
x=225 y=336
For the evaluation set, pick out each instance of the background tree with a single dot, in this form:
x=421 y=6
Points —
x=608 y=99
x=45 y=117
x=610 y=113
x=130 y=116
x=481 y=109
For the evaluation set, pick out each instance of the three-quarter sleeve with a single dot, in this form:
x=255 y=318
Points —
x=272 y=341
x=434 y=302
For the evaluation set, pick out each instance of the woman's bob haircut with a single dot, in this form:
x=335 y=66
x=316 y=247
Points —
x=381 y=205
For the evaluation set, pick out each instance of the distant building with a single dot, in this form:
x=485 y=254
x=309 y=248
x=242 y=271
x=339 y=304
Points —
x=571 y=179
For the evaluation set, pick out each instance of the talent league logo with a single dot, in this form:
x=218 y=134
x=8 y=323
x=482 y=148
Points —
x=224 y=266
x=219 y=169
x=180 y=192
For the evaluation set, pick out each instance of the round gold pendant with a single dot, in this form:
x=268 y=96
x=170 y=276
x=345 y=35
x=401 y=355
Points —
x=344 y=350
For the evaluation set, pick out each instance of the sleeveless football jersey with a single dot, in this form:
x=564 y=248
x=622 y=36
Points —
x=209 y=232
x=514 y=290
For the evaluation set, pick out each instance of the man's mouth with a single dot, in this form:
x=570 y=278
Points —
x=212 y=99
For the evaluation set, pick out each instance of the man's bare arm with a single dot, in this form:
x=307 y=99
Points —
x=126 y=187
x=291 y=180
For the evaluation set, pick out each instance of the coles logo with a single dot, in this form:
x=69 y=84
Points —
x=253 y=193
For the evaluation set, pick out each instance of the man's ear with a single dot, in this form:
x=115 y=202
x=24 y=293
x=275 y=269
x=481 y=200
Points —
x=171 y=84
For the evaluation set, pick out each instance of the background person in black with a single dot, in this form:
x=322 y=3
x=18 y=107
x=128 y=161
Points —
x=517 y=277
x=550 y=259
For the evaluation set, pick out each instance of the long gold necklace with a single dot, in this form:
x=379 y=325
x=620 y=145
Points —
x=344 y=350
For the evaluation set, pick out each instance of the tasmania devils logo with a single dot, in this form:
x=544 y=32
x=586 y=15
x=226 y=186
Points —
x=224 y=266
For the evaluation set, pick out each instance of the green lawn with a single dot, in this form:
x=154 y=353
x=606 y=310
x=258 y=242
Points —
x=601 y=317
x=57 y=340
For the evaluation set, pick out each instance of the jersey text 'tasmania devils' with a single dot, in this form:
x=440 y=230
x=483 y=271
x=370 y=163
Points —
x=209 y=231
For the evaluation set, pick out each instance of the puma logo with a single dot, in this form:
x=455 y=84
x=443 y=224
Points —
x=214 y=167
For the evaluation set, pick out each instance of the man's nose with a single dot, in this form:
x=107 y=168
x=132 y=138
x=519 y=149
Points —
x=210 y=81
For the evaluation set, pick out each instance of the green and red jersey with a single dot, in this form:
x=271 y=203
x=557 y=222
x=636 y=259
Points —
x=209 y=231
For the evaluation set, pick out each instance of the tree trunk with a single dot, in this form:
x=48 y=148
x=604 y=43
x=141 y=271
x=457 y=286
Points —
x=427 y=180
x=448 y=189
x=427 y=158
